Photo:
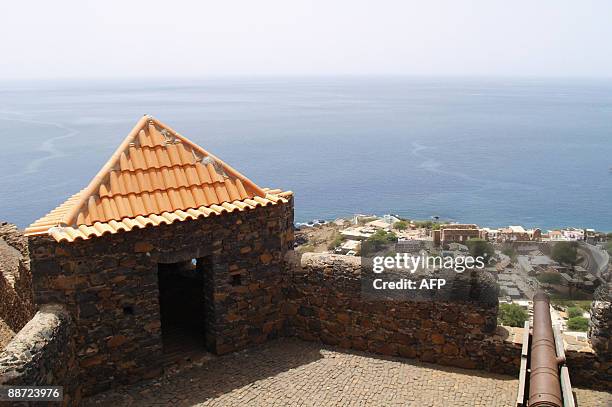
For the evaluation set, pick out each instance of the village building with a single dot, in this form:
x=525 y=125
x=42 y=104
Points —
x=573 y=234
x=458 y=233
x=358 y=233
x=518 y=234
x=555 y=235
x=167 y=247
x=568 y=234
x=349 y=246
x=379 y=224
x=491 y=234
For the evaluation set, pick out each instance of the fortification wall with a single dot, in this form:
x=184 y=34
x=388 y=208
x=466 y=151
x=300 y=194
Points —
x=600 y=334
x=43 y=354
x=325 y=303
x=16 y=302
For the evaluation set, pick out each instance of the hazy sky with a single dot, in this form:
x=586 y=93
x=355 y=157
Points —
x=152 y=38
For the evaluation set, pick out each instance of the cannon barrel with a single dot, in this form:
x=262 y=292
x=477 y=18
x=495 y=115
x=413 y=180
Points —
x=544 y=384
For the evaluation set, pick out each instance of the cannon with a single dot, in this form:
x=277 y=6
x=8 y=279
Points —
x=543 y=373
x=544 y=381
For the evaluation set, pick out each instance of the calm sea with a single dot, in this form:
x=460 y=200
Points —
x=490 y=151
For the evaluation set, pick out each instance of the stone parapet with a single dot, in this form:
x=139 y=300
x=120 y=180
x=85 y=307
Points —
x=16 y=302
x=600 y=336
x=43 y=354
x=325 y=303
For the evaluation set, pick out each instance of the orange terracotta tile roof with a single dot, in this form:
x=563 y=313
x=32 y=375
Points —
x=155 y=176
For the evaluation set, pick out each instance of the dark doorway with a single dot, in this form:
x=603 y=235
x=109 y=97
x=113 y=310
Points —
x=183 y=307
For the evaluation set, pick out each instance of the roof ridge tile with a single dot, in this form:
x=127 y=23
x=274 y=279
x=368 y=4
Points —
x=155 y=176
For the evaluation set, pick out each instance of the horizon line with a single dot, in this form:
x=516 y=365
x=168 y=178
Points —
x=302 y=76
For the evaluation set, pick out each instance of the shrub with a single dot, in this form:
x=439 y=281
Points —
x=427 y=224
x=401 y=225
x=377 y=241
x=573 y=312
x=337 y=241
x=391 y=237
x=565 y=253
x=512 y=315
x=578 y=324
x=480 y=248
x=549 y=278
x=584 y=304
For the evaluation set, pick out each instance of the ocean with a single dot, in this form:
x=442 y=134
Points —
x=532 y=152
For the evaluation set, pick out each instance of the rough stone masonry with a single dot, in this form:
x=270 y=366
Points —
x=256 y=289
x=43 y=354
x=325 y=303
x=110 y=286
x=16 y=303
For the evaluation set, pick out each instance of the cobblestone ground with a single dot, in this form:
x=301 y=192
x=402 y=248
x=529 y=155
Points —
x=289 y=372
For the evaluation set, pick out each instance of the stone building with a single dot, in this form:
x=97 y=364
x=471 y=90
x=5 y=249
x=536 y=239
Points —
x=167 y=246
x=519 y=234
x=457 y=233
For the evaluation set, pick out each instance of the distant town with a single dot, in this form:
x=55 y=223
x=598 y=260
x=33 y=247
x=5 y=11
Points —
x=569 y=263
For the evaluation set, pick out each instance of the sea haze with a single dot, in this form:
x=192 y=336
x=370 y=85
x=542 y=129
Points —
x=489 y=151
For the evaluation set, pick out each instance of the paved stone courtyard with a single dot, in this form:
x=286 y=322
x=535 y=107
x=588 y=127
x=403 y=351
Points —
x=289 y=372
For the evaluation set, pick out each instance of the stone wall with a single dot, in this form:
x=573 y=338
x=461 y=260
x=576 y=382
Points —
x=43 y=353
x=110 y=285
x=600 y=335
x=16 y=304
x=325 y=303
x=587 y=368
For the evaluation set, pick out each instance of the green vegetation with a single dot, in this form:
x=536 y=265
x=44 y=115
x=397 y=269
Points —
x=578 y=324
x=583 y=304
x=337 y=241
x=480 y=248
x=609 y=248
x=549 y=278
x=379 y=240
x=306 y=249
x=427 y=224
x=512 y=315
x=573 y=312
x=510 y=252
x=576 y=295
x=401 y=225
x=565 y=253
